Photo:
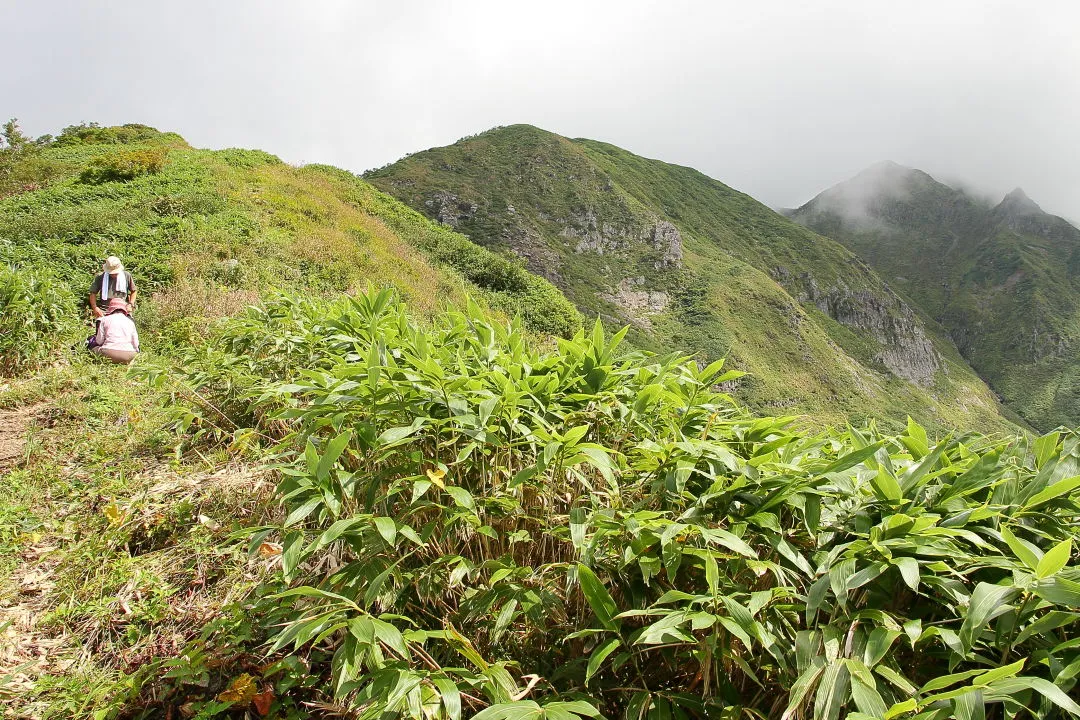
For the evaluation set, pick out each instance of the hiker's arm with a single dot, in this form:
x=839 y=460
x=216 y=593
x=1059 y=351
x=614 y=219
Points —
x=131 y=297
x=99 y=334
x=92 y=299
x=135 y=337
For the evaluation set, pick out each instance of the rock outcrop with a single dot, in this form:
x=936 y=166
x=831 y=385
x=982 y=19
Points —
x=637 y=302
x=451 y=210
x=903 y=346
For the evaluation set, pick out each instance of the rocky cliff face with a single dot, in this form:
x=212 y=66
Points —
x=903 y=346
x=1002 y=281
x=592 y=235
x=637 y=302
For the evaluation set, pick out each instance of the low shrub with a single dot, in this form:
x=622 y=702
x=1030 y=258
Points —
x=125 y=165
x=239 y=158
x=37 y=317
x=94 y=134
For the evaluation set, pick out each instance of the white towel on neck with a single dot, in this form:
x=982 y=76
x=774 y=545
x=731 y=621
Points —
x=120 y=290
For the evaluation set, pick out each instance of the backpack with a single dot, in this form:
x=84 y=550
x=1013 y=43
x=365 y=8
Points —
x=91 y=342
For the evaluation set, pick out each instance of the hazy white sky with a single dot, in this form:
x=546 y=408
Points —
x=778 y=99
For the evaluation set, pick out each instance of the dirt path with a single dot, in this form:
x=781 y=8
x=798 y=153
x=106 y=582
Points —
x=23 y=652
x=13 y=428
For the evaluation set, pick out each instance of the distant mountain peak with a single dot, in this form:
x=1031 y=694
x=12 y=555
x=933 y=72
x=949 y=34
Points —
x=856 y=198
x=1018 y=204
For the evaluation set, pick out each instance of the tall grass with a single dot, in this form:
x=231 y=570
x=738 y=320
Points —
x=477 y=526
x=37 y=317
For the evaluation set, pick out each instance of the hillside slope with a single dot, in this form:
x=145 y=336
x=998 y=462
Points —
x=207 y=232
x=694 y=265
x=1004 y=280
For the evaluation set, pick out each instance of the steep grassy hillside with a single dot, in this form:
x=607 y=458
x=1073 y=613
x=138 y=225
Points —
x=207 y=232
x=1004 y=281
x=691 y=264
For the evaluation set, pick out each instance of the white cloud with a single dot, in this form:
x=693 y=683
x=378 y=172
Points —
x=779 y=99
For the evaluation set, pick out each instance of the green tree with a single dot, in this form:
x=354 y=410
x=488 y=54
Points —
x=13 y=137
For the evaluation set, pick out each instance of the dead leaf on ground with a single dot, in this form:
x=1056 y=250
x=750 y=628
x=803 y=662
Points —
x=241 y=690
x=269 y=549
x=210 y=523
x=263 y=700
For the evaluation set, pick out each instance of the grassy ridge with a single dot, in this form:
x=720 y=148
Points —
x=209 y=231
x=592 y=218
x=468 y=520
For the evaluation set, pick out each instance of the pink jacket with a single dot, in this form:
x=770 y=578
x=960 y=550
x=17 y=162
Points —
x=116 y=331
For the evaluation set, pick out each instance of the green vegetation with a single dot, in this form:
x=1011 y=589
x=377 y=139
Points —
x=206 y=233
x=124 y=165
x=114 y=551
x=37 y=316
x=315 y=500
x=1002 y=281
x=691 y=264
x=473 y=526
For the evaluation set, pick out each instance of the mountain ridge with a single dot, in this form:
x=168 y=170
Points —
x=691 y=264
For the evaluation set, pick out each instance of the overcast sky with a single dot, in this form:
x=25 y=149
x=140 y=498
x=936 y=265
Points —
x=778 y=99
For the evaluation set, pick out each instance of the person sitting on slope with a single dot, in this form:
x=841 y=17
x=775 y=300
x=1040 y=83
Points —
x=114 y=282
x=116 y=337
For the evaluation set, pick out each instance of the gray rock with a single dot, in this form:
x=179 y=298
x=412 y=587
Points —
x=904 y=347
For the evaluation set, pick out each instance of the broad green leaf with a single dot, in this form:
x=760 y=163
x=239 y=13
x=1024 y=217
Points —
x=1054 y=560
x=505 y=617
x=1047 y=689
x=919 y=445
x=333 y=451
x=917 y=473
x=894 y=677
x=1045 y=447
x=909 y=571
x=802 y=687
x=1061 y=487
x=729 y=540
x=832 y=691
x=987 y=601
x=450 y=697
x=969 y=706
x=944 y=681
x=901 y=708
x=578 y=519
x=596 y=659
x=1059 y=590
x=1025 y=552
x=387 y=529
x=864 y=690
x=851 y=459
x=599 y=598
x=885 y=486
x=303 y=511
x=998 y=673
x=462 y=497
x=395 y=435
x=878 y=645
